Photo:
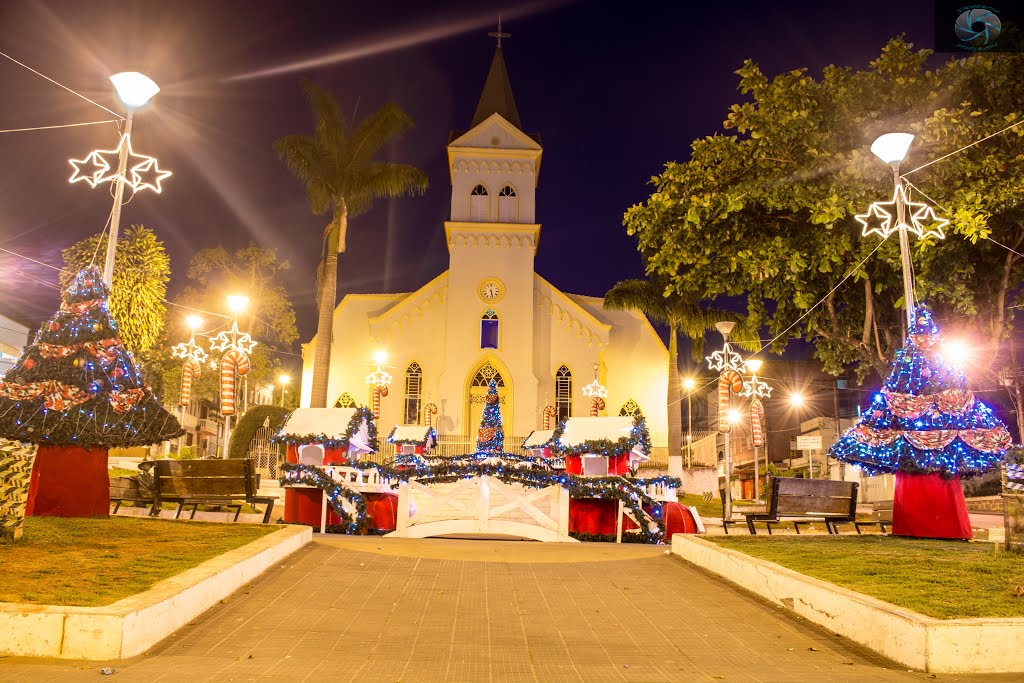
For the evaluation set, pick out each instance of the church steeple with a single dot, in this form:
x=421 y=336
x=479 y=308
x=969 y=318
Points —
x=497 y=97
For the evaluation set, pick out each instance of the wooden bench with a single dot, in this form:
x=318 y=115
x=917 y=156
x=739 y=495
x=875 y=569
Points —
x=882 y=513
x=726 y=522
x=135 y=489
x=229 y=483
x=804 y=501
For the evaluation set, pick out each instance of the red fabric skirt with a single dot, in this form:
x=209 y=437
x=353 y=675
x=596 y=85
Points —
x=68 y=481
x=678 y=520
x=303 y=505
x=928 y=506
x=592 y=515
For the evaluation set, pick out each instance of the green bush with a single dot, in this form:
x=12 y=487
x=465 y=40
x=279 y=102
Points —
x=186 y=453
x=244 y=431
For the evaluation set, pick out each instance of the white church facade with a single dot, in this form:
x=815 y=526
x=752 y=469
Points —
x=490 y=315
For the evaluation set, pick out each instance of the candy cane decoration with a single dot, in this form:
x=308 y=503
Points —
x=429 y=411
x=379 y=391
x=728 y=380
x=232 y=362
x=757 y=422
x=597 y=404
x=191 y=371
x=548 y=413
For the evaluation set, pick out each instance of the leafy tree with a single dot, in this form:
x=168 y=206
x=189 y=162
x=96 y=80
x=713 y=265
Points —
x=337 y=168
x=270 y=317
x=142 y=269
x=679 y=314
x=767 y=207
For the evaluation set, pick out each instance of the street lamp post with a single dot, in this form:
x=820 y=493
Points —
x=892 y=149
x=728 y=364
x=283 y=381
x=755 y=389
x=134 y=90
x=688 y=384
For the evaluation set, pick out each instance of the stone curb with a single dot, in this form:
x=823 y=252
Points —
x=133 y=625
x=985 y=645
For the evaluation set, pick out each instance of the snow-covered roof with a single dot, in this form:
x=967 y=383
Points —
x=418 y=434
x=577 y=431
x=539 y=438
x=316 y=425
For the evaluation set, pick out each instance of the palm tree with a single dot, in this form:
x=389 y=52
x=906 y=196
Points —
x=337 y=168
x=680 y=314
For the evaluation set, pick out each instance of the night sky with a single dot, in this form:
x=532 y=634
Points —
x=614 y=89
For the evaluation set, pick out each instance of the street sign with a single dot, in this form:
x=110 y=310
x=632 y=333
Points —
x=808 y=443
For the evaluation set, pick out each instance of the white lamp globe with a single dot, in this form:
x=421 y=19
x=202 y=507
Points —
x=134 y=89
x=892 y=147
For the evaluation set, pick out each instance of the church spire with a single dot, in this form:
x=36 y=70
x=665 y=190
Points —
x=497 y=97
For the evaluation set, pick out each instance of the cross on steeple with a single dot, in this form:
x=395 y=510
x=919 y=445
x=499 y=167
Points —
x=499 y=34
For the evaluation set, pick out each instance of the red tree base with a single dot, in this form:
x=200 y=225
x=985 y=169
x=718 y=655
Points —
x=928 y=506
x=68 y=481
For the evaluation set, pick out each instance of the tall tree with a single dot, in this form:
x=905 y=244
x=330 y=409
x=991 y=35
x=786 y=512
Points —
x=213 y=274
x=767 y=206
x=680 y=314
x=337 y=168
x=142 y=269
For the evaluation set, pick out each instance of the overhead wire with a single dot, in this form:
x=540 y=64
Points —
x=73 y=92
x=62 y=125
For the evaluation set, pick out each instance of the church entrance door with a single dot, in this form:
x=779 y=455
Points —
x=477 y=393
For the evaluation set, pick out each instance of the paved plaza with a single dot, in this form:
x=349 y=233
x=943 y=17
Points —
x=372 y=609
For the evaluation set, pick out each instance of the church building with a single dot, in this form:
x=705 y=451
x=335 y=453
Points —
x=489 y=316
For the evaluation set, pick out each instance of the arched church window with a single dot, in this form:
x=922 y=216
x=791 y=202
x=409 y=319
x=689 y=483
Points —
x=345 y=401
x=485 y=374
x=563 y=394
x=630 y=408
x=507 y=205
x=479 y=204
x=489 y=330
x=413 y=393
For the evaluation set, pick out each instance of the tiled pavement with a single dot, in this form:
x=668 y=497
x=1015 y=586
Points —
x=369 y=609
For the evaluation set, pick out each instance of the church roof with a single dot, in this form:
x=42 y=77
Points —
x=497 y=97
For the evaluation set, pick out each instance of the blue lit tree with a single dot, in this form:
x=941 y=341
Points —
x=925 y=419
x=76 y=391
x=490 y=439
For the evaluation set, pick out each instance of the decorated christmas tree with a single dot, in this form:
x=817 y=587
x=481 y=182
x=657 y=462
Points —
x=76 y=392
x=926 y=426
x=490 y=439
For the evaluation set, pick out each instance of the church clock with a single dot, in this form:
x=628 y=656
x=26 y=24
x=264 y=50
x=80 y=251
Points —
x=491 y=290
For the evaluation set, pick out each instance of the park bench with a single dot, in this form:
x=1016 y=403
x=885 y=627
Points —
x=805 y=501
x=882 y=513
x=230 y=483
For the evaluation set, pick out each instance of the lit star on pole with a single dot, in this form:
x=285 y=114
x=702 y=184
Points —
x=233 y=339
x=882 y=215
x=595 y=389
x=755 y=388
x=189 y=351
x=726 y=359
x=378 y=378
x=96 y=169
x=927 y=224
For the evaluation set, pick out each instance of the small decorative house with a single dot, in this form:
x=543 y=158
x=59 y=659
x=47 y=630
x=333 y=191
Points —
x=412 y=442
x=328 y=436
x=601 y=446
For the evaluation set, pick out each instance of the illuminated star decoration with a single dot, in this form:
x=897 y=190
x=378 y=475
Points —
x=879 y=218
x=143 y=172
x=928 y=224
x=189 y=351
x=755 y=388
x=595 y=389
x=233 y=339
x=378 y=378
x=726 y=359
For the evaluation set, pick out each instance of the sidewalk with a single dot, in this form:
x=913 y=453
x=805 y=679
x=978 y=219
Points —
x=377 y=609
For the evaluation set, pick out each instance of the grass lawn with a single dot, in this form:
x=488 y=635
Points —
x=944 y=579
x=706 y=508
x=92 y=562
